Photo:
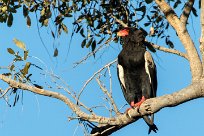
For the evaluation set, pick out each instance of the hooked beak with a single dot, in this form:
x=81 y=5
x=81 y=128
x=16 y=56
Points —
x=123 y=32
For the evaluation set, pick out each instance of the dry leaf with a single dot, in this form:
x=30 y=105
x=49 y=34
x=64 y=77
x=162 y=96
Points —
x=19 y=44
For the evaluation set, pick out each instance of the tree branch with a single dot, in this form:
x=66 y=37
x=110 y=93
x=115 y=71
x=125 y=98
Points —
x=168 y=50
x=93 y=52
x=4 y=92
x=109 y=96
x=202 y=31
x=112 y=124
x=119 y=21
x=193 y=57
x=193 y=91
x=186 y=12
x=91 y=78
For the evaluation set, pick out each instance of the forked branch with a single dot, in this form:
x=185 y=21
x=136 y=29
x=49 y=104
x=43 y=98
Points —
x=112 y=124
x=181 y=30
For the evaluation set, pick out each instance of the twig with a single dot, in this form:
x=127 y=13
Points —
x=93 y=52
x=110 y=80
x=91 y=78
x=109 y=96
x=70 y=91
x=4 y=93
x=119 y=21
x=79 y=102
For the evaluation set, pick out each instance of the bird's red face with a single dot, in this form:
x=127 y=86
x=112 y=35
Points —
x=123 y=32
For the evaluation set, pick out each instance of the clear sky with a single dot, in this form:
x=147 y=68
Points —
x=39 y=115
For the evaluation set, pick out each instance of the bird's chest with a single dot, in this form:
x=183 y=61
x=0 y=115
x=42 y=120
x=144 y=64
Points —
x=132 y=59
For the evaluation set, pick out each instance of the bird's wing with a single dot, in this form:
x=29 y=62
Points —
x=150 y=68
x=120 y=71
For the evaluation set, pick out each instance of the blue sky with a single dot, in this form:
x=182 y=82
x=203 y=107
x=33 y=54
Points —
x=39 y=115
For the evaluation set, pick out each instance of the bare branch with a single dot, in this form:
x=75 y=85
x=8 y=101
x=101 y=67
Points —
x=93 y=52
x=92 y=77
x=186 y=11
x=110 y=80
x=109 y=96
x=195 y=90
x=4 y=92
x=168 y=50
x=193 y=57
x=79 y=102
x=119 y=21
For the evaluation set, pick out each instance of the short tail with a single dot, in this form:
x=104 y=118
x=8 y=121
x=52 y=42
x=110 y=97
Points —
x=150 y=123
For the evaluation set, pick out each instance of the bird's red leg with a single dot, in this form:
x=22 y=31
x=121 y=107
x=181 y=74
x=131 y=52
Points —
x=133 y=104
x=139 y=103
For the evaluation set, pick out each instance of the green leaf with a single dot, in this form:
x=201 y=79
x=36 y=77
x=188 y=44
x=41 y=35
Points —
x=83 y=43
x=143 y=10
x=45 y=22
x=101 y=40
x=10 y=20
x=38 y=86
x=28 y=21
x=89 y=43
x=147 y=24
x=78 y=28
x=11 y=51
x=56 y=52
x=64 y=27
x=80 y=18
x=93 y=45
x=170 y=43
x=26 y=68
x=12 y=67
x=25 y=11
x=25 y=55
x=194 y=11
x=53 y=35
x=148 y=1
x=82 y=32
x=19 y=44
x=149 y=46
x=18 y=58
x=176 y=4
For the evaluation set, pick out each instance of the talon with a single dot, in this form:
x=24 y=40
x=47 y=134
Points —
x=140 y=102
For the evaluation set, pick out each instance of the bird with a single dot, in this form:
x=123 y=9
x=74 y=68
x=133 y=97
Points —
x=136 y=70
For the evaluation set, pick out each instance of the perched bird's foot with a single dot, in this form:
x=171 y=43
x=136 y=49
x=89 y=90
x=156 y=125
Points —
x=148 y=108
x=138 y=103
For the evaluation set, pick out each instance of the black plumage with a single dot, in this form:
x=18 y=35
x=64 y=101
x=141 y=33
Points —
x=136 y=70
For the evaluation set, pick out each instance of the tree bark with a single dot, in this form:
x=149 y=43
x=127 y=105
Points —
x=174 y=21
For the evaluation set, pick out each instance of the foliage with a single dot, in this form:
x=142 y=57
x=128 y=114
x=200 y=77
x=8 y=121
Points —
x=96 y=21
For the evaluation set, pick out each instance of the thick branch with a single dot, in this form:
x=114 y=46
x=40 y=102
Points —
x=193 y=91
x=186 y=11
x=202 y=30
x=195 y=62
